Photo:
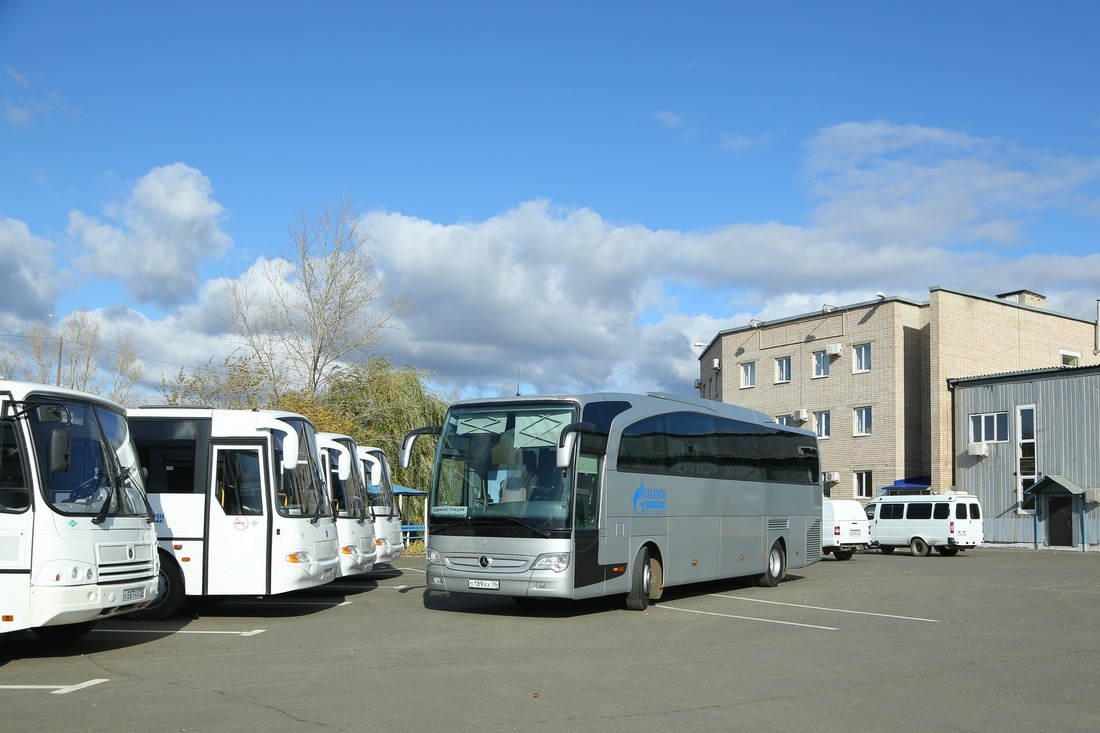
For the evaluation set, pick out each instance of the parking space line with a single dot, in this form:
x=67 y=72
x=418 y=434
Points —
x=823 y=608
x=747 y=618
x=55 y=689
x=165 y=632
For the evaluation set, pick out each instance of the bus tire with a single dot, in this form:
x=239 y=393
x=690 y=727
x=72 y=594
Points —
x=843 y=554
x=947 y=551
x=63 y=632
x=886 y=549
x=919 y=547
x=641 y=576
x=777 y=566
x=169 y=596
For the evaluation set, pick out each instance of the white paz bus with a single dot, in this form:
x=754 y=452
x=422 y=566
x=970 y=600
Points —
x=240 y=503
x=350 y=504
x=77 y=542
x=387 y=514
x=577 y=496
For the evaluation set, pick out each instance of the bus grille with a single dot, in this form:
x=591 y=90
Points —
x=125 y=562
x=813 y=541
x=778 y=524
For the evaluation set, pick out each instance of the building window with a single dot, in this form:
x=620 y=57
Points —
x=785 y=420
x=989 y=427
x=748 y=375
x=783 y=369
x=863 y=421
x=823 y=424
x=863 y=485
x=1070 y=358
x=1026 y=472
x=861 y=358
x=821 y=364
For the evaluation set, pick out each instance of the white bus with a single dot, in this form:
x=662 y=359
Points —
x=586 y=495
x=77 y=541
x=387 y=515
x=350 y=502
x=240 y=503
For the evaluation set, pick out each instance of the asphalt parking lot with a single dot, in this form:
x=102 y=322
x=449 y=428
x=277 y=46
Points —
x=993 y=639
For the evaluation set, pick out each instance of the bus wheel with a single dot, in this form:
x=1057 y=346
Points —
x=638 y=597
x=169 y=595
x=64 y=632
x=777 y=566
x=843 y=554
x=918 y=547
x=886 y=549
x=947 y=551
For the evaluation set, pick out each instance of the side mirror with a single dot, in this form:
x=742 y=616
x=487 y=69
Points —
x=410 y=438
x=568 y=438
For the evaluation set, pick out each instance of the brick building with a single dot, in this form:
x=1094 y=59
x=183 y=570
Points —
x=872 y=377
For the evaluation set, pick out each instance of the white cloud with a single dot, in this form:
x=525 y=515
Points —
x=168 y=225
x=28 y=279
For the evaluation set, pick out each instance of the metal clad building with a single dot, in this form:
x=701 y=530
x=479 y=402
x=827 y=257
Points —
x=1027 y=444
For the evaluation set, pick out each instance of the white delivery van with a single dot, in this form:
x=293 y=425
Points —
x=950 y=522
x=845 y=528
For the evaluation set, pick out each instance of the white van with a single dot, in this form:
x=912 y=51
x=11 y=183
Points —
x=949 y=522
x=845 y=529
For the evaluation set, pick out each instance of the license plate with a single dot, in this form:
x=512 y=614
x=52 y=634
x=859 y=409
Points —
x=133 y=594
x=853 y=533
x=484 y=584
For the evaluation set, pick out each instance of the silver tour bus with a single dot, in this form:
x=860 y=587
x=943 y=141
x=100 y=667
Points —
x=577 y=496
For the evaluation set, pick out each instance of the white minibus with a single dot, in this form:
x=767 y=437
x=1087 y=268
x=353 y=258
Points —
x=949 y=522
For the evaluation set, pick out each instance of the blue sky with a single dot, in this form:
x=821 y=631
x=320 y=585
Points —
x=572 y=192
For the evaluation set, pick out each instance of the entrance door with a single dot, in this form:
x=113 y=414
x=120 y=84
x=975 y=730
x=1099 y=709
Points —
x=238 y=546
x=1060 y=521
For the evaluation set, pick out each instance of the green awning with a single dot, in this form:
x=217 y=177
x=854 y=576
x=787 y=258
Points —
x=1054 y=484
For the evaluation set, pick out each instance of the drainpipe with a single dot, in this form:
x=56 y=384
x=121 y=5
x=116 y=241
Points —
x=1096 y=343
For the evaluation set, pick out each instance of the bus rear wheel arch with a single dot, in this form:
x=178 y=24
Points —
x=777 y=566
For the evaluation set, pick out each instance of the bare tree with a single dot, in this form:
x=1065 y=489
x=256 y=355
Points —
x=317 y=308
x=81 y=356
x=124 y=369
x=44 y=351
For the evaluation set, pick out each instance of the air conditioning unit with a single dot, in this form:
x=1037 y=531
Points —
x=978 y=449
x=801 y=414
x=1092 y=496
x=832 y=477
x=698 y=384
x=834 y=349
x=717 y=364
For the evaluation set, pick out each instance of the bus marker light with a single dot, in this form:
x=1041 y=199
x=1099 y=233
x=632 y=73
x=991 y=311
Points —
x=185 y=559
x=177 y=547
x=694 y=562
x=7 y=617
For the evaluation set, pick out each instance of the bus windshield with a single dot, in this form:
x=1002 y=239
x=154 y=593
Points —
x=103 y=477
x=497 y=466
x=301 y=491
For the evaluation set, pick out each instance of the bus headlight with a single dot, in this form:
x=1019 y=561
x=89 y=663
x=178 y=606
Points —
x=433 y=557
x=556 y=561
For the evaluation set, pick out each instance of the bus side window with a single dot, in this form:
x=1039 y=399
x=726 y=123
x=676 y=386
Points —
x=237 y=488
x=14 y=492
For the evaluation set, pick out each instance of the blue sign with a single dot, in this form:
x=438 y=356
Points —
x=649 y=501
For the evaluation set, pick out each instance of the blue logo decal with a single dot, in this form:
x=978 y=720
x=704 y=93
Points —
x=649 y=501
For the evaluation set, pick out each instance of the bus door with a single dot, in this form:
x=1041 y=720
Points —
x=16 y=528
x=238 y=542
